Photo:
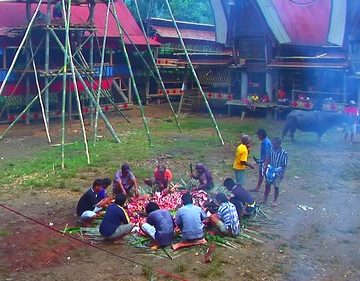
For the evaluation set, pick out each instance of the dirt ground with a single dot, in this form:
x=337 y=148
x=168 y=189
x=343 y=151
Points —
x=317 y=239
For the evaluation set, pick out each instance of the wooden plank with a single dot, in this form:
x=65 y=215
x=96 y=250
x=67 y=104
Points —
x=186 y=244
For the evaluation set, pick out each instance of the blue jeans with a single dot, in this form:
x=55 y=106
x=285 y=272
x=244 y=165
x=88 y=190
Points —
x=240 y=177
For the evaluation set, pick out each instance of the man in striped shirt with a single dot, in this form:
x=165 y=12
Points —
x=226 y=219
x=278 y=158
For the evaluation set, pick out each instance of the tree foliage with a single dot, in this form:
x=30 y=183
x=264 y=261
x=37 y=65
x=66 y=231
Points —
x=184 y=10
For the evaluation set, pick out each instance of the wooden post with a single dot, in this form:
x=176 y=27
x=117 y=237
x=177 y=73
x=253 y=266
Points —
x=4 y=58
x=244 y=84
x=268 y=86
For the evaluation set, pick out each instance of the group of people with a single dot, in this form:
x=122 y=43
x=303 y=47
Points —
x=190 y=219
x=272 y=163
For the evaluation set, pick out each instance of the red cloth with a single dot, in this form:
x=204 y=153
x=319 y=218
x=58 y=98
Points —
x=351 y=110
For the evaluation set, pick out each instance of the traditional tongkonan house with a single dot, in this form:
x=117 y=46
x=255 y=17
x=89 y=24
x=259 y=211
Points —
x=289 y=53
x=46 y=44
x=210 y=59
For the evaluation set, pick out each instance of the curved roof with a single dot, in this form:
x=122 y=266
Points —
x=15 y=17
x=306 y=22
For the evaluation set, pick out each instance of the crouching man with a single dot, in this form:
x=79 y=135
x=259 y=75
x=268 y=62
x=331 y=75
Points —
x=226 y=219
x=190 y=218
x=159 y=226
x=116 y=223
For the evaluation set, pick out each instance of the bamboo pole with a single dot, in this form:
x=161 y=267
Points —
x=102 y=115
x=27 y=54
x=20 y=47
x=91 y=57
x=39 y=91
x=131 y=72
x=194 y=72
x=47 y=60
x=156 y=68
x=66 y=16
x=101 y=70
x=70 y=56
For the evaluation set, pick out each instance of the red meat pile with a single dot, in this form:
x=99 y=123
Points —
x=165 y=200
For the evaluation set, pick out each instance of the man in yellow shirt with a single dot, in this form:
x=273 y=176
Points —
x=241 y=158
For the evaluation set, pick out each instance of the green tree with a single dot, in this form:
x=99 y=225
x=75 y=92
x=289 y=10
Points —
x=184 y=10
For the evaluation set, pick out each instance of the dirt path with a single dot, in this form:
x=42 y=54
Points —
x=317 y=237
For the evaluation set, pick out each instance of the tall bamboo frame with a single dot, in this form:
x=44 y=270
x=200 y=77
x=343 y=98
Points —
x=69 y=59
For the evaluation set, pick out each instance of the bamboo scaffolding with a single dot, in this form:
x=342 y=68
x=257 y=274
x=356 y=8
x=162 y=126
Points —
x=57 y=40
x=39 y=91
x=131 y=72
x=156 y=68
x=30 y=104
x=22 y=43
x=70 y=56
x=194 y=72
x=101 y=69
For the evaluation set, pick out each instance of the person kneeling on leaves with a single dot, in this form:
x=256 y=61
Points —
x=116 y=223
x=161 y=179
x=203 y=175
x=159 y=226
x=190 y=218
x=243 y=201
x=226 y=219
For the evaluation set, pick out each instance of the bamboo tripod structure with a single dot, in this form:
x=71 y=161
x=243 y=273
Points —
x=68 y=59
x=69 y=63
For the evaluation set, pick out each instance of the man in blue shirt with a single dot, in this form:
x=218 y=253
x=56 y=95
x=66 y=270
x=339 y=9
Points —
x=189 y=219
x=159 y=226
x=116 y=223
x=243 y=201
x=265 y=148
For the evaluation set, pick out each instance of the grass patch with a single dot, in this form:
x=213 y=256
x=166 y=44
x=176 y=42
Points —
x=180 y=268
x=4 y=233
x=198 y=143
x=148 y=272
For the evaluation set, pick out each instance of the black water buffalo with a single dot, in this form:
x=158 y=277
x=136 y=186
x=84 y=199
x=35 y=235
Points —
x=311 y=121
